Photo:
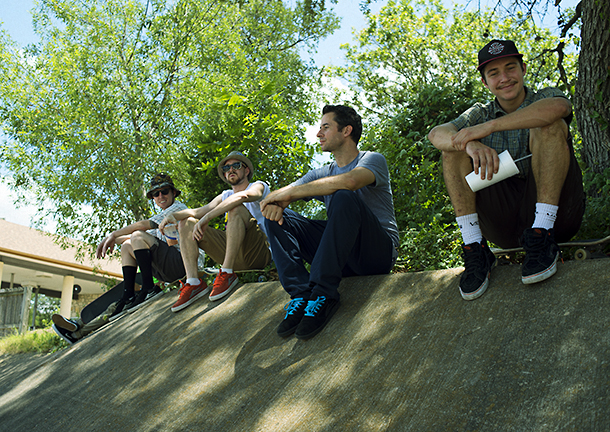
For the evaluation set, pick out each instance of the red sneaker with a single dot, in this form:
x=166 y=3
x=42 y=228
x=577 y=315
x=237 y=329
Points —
x=190 y=293
x=223 y=284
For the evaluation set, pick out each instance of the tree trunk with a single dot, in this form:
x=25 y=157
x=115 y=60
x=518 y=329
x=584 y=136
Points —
x=592 y=97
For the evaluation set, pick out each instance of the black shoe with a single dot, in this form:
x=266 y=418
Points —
x=64 y=323
x=294 y=313
x=317 y=314
x=64 y=334
x=541 y=255
x=119 y=307
x=478 y=262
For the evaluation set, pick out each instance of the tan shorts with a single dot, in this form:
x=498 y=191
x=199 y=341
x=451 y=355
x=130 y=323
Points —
x=254 y=253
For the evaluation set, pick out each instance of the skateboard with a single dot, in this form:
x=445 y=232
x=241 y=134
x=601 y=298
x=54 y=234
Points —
x=582 y=249
x=100 y=304
x=250 y=275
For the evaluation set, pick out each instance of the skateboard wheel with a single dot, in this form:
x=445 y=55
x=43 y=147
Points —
x=262 y=279
x=581 y=254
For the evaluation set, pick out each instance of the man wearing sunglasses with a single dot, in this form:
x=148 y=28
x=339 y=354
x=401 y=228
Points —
x=242 y=245
x=143 y=245
x=359 y=237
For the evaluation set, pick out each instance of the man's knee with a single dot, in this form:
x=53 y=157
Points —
x=239 y=213
x=186 y=226
x=553 y=136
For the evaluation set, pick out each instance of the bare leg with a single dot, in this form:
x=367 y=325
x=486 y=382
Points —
x=236 y=232
x=456 y=165
x=189 y=249
x=550 y=160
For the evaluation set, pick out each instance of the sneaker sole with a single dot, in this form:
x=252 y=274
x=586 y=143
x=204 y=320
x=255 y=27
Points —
x=145 y=302
x=61 y=335
x=225 y=292
x=191 y=301
x=543 y=275
x=331 y=313
x=60 y=321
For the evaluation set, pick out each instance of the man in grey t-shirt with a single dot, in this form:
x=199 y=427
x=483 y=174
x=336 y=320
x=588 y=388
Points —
x=359 y=238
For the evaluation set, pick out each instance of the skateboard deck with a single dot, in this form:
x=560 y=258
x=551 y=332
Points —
x=100 y=304
x=580 y=249
x=257 y=275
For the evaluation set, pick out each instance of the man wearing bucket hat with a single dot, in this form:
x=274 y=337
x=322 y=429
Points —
x=537 y=208
x=241 y=246
x=143 y=246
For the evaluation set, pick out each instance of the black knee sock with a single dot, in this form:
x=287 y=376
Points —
x=145 y=263
x=129 y=280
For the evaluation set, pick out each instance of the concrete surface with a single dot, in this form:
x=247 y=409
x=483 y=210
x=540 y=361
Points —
x=403 y=353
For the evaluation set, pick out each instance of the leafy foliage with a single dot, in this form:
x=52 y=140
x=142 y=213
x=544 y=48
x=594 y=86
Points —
x=413 y=68
x=120 y=89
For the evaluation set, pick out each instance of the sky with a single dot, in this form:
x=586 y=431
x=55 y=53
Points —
x=16 y=19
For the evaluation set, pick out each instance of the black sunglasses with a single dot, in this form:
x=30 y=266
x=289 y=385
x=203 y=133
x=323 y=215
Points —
x=234 y=165
x=156 y=193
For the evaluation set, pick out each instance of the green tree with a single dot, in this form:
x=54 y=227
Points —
x=120 y=89
x=412 y=68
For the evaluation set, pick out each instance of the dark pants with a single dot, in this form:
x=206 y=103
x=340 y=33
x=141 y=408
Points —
x=350 y=243
x=507 y=208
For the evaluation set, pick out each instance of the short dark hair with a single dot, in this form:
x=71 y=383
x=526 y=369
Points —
x=346 y=116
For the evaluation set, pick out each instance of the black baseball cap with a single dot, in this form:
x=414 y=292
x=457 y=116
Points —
x=497 y=49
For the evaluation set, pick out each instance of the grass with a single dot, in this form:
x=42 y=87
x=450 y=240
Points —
x=37 y=341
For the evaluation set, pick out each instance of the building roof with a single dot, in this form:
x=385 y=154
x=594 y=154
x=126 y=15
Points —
x=32 y=257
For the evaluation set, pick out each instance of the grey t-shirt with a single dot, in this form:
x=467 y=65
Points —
x=377 y=196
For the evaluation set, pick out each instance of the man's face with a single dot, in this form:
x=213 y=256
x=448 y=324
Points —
x=164 y=197
x=233 y=174
x=504 y=78
x=331 y=138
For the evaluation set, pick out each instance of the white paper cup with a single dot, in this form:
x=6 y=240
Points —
x=507 y=169
x=171 y=232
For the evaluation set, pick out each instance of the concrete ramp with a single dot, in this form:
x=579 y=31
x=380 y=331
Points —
x=403 y=353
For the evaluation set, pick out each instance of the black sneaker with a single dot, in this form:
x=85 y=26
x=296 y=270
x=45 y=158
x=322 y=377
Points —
x=64 y=334
x=294 y=313
x=119 y=308
x=317 y=314
x=478 y=262
x=541 y=255
x=64 y=323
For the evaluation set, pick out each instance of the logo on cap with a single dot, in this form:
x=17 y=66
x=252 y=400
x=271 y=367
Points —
x=496 y=48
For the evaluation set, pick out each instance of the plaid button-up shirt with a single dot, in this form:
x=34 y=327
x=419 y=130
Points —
x=515 y=141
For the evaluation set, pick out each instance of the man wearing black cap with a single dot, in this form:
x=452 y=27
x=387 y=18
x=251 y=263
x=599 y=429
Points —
x=537 y=208
x=241 y=246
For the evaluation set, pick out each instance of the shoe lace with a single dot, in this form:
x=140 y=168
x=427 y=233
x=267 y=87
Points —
x=473 y=259
x=313 y=306
x=292 y=306
x=221 y=278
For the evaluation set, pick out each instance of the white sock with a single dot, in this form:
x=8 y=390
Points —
x=469 y=226
x=226 y=270
x=193 y=281
x=545 y=216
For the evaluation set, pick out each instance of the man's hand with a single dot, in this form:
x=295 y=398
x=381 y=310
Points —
x=167 y=220
x=199 y=229
x=272 y=207
x=484 y=157
x=106 y=246
x=469 y=134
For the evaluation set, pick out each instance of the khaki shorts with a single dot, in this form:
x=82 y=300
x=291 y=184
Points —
x=254 y=253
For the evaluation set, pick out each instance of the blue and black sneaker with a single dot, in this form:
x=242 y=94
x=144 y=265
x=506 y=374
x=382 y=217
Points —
x=318 y=313
x=295 y=310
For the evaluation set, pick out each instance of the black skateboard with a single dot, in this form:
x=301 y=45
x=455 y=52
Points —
x=100 y=304
x=579 y=249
